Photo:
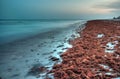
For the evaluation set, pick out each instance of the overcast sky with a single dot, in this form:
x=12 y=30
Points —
x=40 y=9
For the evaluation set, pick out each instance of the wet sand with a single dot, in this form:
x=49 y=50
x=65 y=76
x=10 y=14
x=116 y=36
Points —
x=94 y=55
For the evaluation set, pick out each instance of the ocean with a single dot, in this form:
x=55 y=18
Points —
x=16 y=30
x=27 y=44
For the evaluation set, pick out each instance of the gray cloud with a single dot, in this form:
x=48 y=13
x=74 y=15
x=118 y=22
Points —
x=113 y=5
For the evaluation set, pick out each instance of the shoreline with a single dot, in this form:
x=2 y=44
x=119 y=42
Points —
x=22 y=59
x=96 y=54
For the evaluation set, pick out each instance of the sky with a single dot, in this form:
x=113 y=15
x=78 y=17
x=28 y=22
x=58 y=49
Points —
x=59 y=9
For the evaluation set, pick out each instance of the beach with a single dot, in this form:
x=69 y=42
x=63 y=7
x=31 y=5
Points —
x=94 y=55
x=33 y=57
x=83 y=50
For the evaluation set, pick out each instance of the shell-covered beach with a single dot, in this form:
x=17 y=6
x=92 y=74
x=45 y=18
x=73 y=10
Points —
x=94 y=55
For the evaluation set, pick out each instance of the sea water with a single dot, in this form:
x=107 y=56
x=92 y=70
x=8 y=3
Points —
x=15 y=30
x=18 y=58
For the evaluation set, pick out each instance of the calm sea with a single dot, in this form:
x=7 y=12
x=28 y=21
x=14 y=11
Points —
x=15 y=30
